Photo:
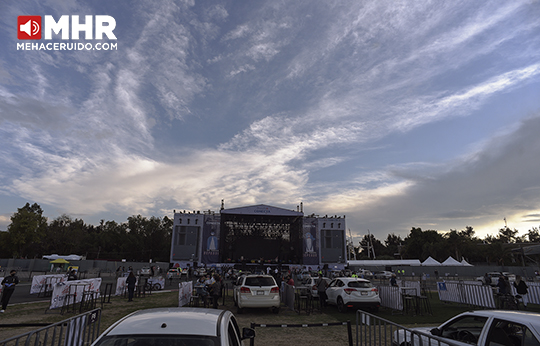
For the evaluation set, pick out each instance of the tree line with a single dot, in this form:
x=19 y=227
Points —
x=463 y=244
x=31 y=235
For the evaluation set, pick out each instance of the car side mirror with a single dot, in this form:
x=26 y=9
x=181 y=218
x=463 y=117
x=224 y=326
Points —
x=248 y=333
x=436 y=332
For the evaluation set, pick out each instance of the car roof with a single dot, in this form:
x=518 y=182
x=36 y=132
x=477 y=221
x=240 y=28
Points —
x=353 y=279
x=257 y=276
x=516 y=316
x=192 y=321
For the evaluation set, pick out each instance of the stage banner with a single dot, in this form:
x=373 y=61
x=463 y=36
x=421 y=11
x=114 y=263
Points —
x=311 y=247
x=211 y=239
x=185 y=291
x=39 y=280
x=77 y=287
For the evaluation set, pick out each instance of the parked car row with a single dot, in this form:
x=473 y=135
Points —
x=200 y=326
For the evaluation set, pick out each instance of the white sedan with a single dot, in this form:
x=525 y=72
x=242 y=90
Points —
x=482 y=328
x=175 y=326
x=353 y=292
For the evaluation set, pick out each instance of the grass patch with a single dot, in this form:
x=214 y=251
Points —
x=119 y=307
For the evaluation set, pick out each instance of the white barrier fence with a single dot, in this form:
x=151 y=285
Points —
x=185 y=292
x=392 y=296
x=476 y=294
x=470 y=294
x=39 y=281
x=73 y=291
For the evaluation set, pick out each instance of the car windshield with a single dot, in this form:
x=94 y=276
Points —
x=360 y=284
x=259 y=281
x=158 y=340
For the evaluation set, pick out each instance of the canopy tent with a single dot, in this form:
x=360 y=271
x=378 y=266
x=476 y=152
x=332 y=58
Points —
x=430 y=261
x=59 y=264
x=450 y=261
x=59 y=261
x=465 y=263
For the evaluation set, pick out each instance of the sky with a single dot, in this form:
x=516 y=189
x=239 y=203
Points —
x=394 y=114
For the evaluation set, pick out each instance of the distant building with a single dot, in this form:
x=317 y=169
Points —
x=257 y=233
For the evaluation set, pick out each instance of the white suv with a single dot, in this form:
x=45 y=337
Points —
x=353 y=292
x=256 y=291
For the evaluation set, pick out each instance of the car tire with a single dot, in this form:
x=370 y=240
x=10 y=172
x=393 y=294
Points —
x=275 y=310
x=156 y=287
x=341 y=305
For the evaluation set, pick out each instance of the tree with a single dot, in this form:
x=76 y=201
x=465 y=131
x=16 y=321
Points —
x=459 y=242
x=421 y=245
x=65 y=236
x=533 y=235
x=506 y=235
x=27 y=231
x=370 y=244
x=393 y=244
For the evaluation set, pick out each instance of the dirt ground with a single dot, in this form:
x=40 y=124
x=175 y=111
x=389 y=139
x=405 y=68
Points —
x=119 y=307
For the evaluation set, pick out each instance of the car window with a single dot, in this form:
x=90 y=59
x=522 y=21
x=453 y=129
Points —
x=360 y=284
x=508 y=333
x=259 y=281
x=465 y=329
x=340 y=283
x=332 y=283
x=159 y=340
x=234 y=337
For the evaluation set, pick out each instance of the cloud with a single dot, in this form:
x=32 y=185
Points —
x=485 y=186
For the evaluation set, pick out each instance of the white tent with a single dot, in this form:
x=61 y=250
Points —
x=465 y=263
x=450 y=261
x=430 y=261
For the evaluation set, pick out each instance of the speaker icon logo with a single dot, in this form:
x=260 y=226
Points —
x=29 y=27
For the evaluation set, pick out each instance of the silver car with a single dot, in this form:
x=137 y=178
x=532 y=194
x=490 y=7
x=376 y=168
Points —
x=175 y=326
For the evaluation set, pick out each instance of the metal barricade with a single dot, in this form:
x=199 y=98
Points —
x=80 y=330
x=373 y=330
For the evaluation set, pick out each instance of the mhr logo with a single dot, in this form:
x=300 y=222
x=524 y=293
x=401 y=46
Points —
x=30 y=28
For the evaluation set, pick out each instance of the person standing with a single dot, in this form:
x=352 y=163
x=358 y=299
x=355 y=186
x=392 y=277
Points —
x=8 y=288
x=521 y=288
x=131 y=281
x=215 y=290
x=321 y=290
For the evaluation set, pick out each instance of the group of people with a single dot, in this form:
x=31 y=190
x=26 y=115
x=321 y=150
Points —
x=209 y=287
x=521 y=287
